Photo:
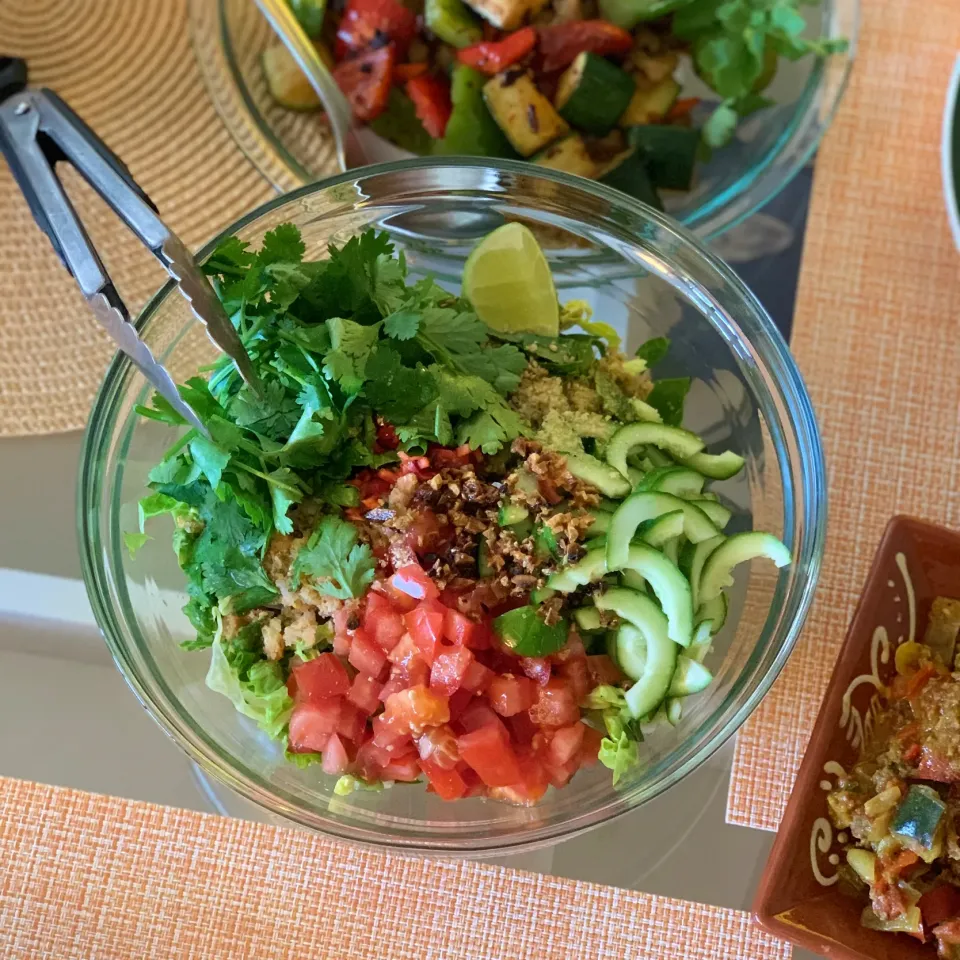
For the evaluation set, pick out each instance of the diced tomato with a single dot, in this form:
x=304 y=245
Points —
x=439 y=746
x=365 y=655
x=389 y=735
x=565 y=743
x=364 y=693
x=522 y=728
x=365 y=21
x=458 y=629
x=352 y=723
x=311 y=724
x=932 y=766
x=682 y=107
x=405 y=651
x=560 y=774
x=417 y=708
x=396 y=682
x=459 y=702
x=537 y=669
x=448 y=670
x=412 y=581
x=431 y=99
x=509 y=695
x=365 y=80
x=404 y=769
x=490 y=57
x=590 y=748
x=336 y=760
x=947 y=933
x=387 y=438
x=478 y=714
x=532 y=786
x=461 y=456
x=341 y=645
x=446 y=784
x=426 y=626
x=603 y=670
x=913 y=753
x=571 y=650
x=401 y=74
x=556 y=704
x=487 y=750
x=317 y=679
x=577 y=672
x=382 y=622
x=561 y=43
x=477 y=677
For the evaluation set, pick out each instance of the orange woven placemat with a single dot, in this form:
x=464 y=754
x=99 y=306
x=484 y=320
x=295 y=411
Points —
x=88 y=876
x=128 y=69
x=876 y=336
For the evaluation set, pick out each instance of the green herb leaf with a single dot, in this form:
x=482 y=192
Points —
x=352 y=345
x=285 y=490
x=402 y=325
x=393 y=390
x=667 y=398
x=338 y=565
x=720 y=126
x=134 y=541
x=654 y=350
x=210 y=458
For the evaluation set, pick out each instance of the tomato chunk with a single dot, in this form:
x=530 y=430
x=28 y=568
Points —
x=556 y=705
x=478 y=714
x=415 y=709
x=412 y=581
x=365 y=80
x=561 y=43
x=449 y=669
x=446 y=784
x=603 y=670
x=365 y=693
x=311 y=724
x=404 y=769
x=509 y=695
x=365 y=655
x=565 y=743
x=488 y=751
x=492 y=56
x=366 y=20
x=460 y=630
x=426 y=626
x=431 y=99
x=938 y=904
x=336 y=760
x=590 y=748
x=322 y=677
x=352 y=723
x=537 y=669
x=477 y=677
x=382 y=622
x=439 y=746
x=577 y=672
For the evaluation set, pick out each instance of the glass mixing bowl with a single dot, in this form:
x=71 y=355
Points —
x=770 y=148
x=747 y=395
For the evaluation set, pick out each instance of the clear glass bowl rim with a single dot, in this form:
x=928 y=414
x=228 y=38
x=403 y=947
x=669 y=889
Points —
x=793 y=395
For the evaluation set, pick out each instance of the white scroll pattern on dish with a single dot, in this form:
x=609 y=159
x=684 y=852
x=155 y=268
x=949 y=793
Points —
x=856 y=726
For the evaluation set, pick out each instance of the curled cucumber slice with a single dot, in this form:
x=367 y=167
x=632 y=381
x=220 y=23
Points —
x=716 y=466
x=676 y=441
x=740 y=548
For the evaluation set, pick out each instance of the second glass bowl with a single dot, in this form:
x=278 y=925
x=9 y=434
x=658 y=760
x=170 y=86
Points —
x=291 y=149
x=748 y=395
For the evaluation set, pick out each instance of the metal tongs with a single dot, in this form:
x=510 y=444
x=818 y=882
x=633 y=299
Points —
x=38 y=130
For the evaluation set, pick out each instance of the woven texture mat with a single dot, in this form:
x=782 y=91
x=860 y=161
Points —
x=128 y=69
x=876 y=336
x=94 y=877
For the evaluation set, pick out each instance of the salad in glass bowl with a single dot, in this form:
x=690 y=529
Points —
x=458 y=539
x=597 y=88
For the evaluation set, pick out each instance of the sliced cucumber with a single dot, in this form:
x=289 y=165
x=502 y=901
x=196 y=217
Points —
x=632 y=580
x=569 y=155
x=690 y=677
x=670 y=153
x=700 y=646
x=714 y=613
x=606 y=505
x=593 y=93
x=670 y=586
x=716 y=466
x=511 y=513
x=628 y=174
x=598 y=474
x=541 y=595
x=649 y=106
x=545 y=541
x=646 y=505
x=671 y=550
x=522 y=112
x=717 y=512
x=601 y=522
x=643 y=411
x=693 y=557
x=659 y=530
x=644 y=649
x=635 y=475
x=717 y=571
x=680 y=481
x=676 y=441
x=588 y=618
x=586 y=570
x=673 y=710
x=658 y=458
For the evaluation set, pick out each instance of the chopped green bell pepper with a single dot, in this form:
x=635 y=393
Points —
x=310 y=15
x=471 y=130
x=453 y=22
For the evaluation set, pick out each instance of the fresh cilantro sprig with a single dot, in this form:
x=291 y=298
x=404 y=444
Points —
x=735 y=44
x=332 y=558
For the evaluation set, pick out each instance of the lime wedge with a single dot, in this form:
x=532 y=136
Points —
x=508 y=281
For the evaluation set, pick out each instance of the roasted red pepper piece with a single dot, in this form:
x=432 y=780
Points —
x=365 y=81
x=431 y=98
x=561 y=43
x=368 y=23
x=491 y=57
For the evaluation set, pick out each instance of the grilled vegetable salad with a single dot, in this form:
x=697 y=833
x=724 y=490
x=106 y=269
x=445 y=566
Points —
x=434 y=548
x=585 y=86
x=900 y=801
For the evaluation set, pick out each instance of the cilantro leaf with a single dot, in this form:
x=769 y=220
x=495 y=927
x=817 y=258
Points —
x=282 y=244
x=339 y=565
x=393 y=390
x=490 y=429
x=654 y=350
x=285 y=490
x=667 y=398
x=402 y=325
x=720 y=126
x=274 y=414
x=352 y=344
x=210 y=458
